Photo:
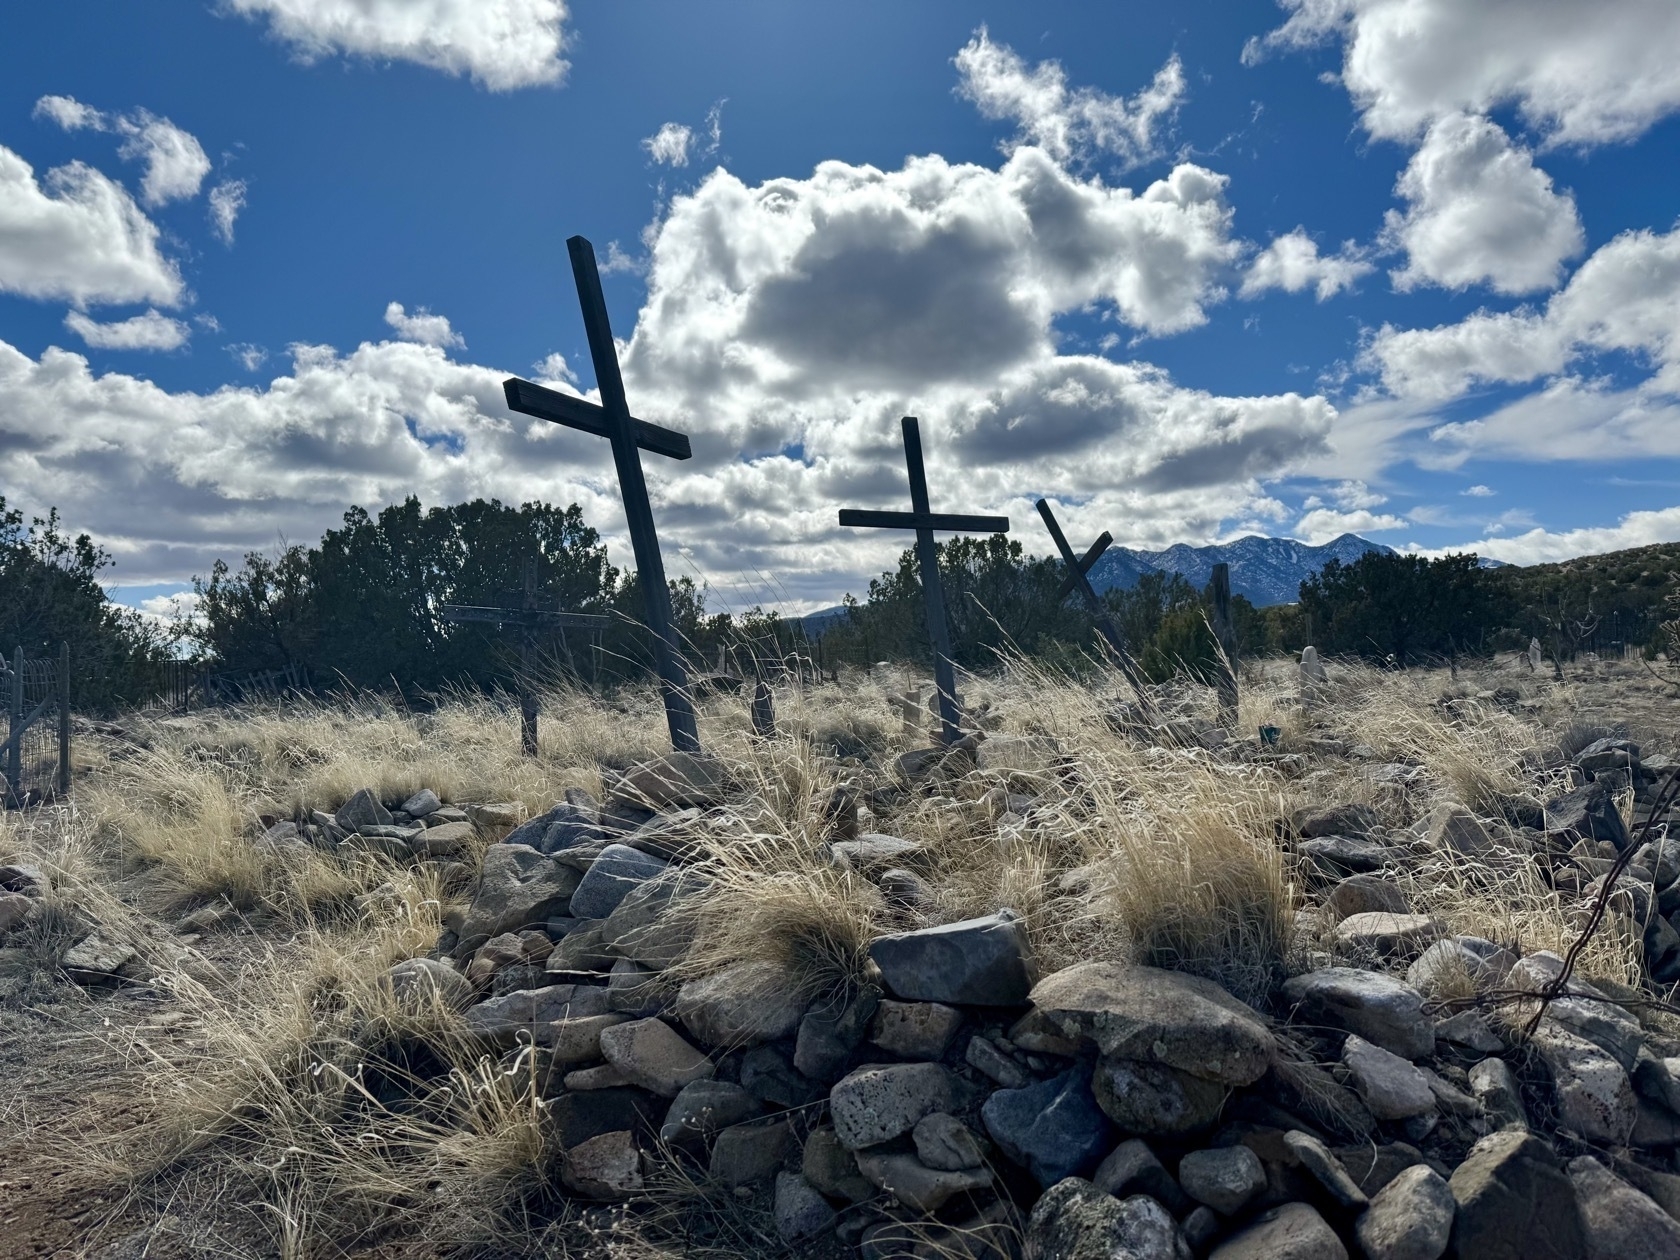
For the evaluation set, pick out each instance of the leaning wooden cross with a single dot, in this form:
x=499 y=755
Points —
x=1077 y=580
x=612 y=420
x=924 y=522
x=530 y=620
x=1224 y=631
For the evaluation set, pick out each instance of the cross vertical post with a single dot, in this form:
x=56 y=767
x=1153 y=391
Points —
x=64 y=719
x=1077 y=579
x=1225 y=633
x=527 y=662
x=924 y=522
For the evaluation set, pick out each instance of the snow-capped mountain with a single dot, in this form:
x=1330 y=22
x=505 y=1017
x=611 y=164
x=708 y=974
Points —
x=1263 y=570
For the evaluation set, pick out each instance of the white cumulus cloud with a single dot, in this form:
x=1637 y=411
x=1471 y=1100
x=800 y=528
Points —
x=150 y=331
x=669 y=145
x=227 y=199
x=1292 y=263
x=501 y=44
x=1064 y=121
x=1541 y=546
x=423 y=327
x=69 y=113
x=176 y=163
x=1322 y=525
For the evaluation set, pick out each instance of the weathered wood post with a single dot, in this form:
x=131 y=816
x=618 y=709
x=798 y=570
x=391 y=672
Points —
x=1224 y=632
x=924 y=521
x=1079 y=568
x=14 y=729
x=63 y=719
x=763 y=711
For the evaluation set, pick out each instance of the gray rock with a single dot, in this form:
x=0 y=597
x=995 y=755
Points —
x=832 y=1169
x=1390 y=1086
x=1607 y=1026
x=581 y=954
x=1471 y=1030
x=422 y=804
x=1200 y=1228
x=1608 y=753
x=916 y=1185
x=418 y=983
x=1073 y=1220
x=1131 y=1168
x=769 y=1074
x=1594 y=1095
x=1362 y=894
x=745 y=1153
x=1454 y=829
x=1328 y=1170
x=1225 y=1178
x=1587 y=813
x=802 y=1214
x=14 y=909
x=575 y=1118
x=978 y=962
x=1386 y=934
x=831 y=1030
x=1336 y=820
x=1341 y=855
x=1165 y=1017
x=601 y=1076
x=1152 y=1098
x=1460 y=966
x=745 y=1004
x=879 y=1102
x=1411 y=1218
x=517 y=888
x=362 y=810
x=677 y=779
x=905 y=889
x=604 y=1167
x=1494 y=1085
x=612 y=875
x=1621 y=1222
x=576 y=1040
x=530 y=1015
x=650 y=1054
x=1377 y=1007
x=703 y=1107
x=651 y=925
x=915 y=1030
x=97 y=959
x=946 y=1143
x=1052 y=1128
x=989 y=1061
x=1293 y=1231
x=873 y=852
x=1514 y=1202
x=446 y=840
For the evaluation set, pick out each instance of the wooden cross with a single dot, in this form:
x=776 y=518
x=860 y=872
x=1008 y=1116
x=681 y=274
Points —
x=1078 y=568
x=612 y=420
x=924 y=522
x=1224 y=631
x=530 y=619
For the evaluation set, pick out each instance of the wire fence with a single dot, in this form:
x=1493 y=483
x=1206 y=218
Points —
x=35 y=758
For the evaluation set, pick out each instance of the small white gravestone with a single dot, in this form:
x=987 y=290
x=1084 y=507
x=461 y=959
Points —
x=1312 y=669
x=1534 y=657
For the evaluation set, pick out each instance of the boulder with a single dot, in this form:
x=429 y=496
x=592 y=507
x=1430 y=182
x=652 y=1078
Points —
x=1621 y=1223
x=1460 y=966
x=678 y=779
x=1335 y=820
x=495 y=818
x=744 y=1004
x=1225 y=1178
x=1345 y=855
x=916 y=1185
x=768 y=1073
x=946 y=1143
x=99 y=959
x=517 y=888
x=1377 y=1007
x=649 y=1053
x=575 y=1118
x=1052 y=1128
x=915 y=1030
x=1326 y=1168
x=604 y=1167
x=873 y=852
x=533 y=1015
x=1608 y=753
x=1293 y=1231
x=422 y=804
x=1587 y=813
x=616 y=870
x=831 y=1030
x=362 y=810
x=1410 y=1218
x=704 y=1107
x=1514 y=1202
x=978 y=962
x=1387 y=934
x=801 y=1213
x=1152 y=1098
x=994 y=1064
x=446 y=840
x=1390 y=1086
x=418 y=983
x=1454 y=829
x=1363 y=894
x=1131 y=1168
x=14 y=909
x=745 y=1153
x=1594 y=1095
x=879 y=1102
x=1166 y=1017
x=1073 y=1220
x=1471 y=1030
x=649 y=925
x=832 y=1169
x=1494 y=1085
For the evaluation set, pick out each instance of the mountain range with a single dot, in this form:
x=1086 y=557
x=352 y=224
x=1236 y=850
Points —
x=1263 y=570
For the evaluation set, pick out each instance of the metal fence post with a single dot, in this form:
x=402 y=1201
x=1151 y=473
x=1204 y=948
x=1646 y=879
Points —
x=64 y=719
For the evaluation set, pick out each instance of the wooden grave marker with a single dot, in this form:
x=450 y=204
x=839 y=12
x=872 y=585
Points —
x=530 y=619
x=1224 y=631
x=1078 y=580
x=629 y=436
x=924 y=521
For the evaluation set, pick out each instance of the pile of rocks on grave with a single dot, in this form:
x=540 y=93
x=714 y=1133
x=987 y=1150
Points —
x=962 y=1103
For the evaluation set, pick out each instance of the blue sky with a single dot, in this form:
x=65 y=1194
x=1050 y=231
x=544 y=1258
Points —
x=1402 y=267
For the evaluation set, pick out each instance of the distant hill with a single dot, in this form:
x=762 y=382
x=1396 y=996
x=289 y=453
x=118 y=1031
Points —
x=1263 y=570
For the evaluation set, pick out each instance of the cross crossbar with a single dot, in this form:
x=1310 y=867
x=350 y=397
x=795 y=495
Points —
x=1091 y=556
x=531 y=399
x=924 y=520
x=1077 y=580
x=524 y=617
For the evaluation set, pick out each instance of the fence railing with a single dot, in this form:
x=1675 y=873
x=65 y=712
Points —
x=35 y=757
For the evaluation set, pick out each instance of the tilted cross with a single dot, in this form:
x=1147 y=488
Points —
x=530 y=619
x=1077 y=580
x=924 y=522
x=611 y=419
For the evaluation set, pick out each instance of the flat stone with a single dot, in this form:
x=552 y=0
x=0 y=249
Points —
x=575 y=1118
x=1454 y=829
x=1594 y=1094
x=1494 y=1085
x=1293 y=1231
x=1410 y=1218
x=1386 y=934
x=879 y=1102
x=97 y=958
x=1471 y=1030
x=989 y=1061
x=873 y=852
x=517 y=888
x=1373 y=1165
x=601 y=1076
x=945 y=1143
x=704 y=1107
x=1328 y=1170
x=745 y=1153
x=649 y=925
x=652 y=1055
x=915 y=1030
x=1377 y=1007
x=612 y=875
x=1166 y=1017
x=1606 y=1025
x=1609 y=753
x=676 y=780
x=1132 y=1168
x=362 y=810
x=581 y=953
x=977 y=962
x=446 y=840
x=422 y=804
x=1342 y=855
x=1052 y=1128
x=1514 y=1202
x=530 y=1015
x=1460 y=966
x=1621 y=1223
x=604 y=1167
x=802 y=1214
x=744 y=1004
x=1390 y=1086
x=1225 y=1178
x=1336 y=820
x=1151 y=1098
x=831 y=1031
x=916 y=1185
x=1073 y=1220
x=1363 y=894
x=495 y=818
x=832 y=1169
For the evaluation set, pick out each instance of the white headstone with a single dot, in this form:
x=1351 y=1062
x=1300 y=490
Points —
x=1534 y=657
x=1312 y=670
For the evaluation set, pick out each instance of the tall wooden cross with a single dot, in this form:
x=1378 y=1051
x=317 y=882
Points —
x=1077 y=580
x=924 y=522
x=530 y=620
x=1224 y=631
x=612 y=420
